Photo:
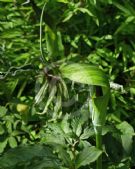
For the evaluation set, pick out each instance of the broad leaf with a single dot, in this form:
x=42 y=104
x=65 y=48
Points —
x=12 y=142
x=3 y=111
x=92 y=75
x=24 y=154
x=127 y=136
x=84 y=73
x=87 y=156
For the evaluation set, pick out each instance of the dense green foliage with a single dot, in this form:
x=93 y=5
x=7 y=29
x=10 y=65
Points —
x=52 y=52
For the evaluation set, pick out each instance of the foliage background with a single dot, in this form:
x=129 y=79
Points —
x=94 y=32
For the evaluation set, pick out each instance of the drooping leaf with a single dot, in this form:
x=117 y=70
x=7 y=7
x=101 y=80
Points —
x=41 y=94
x=57 y=106
x=50 y=98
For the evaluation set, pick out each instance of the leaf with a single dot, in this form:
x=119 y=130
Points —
x=65 y=157
x=84 y=73
x=57 y=106
x=64 y=88
x=45 y=163
x=3 y=145
x=77 y=126
x=3 y=111
x=92 y=75
x=50 y=98
x=63 y=1
x=68 y=16
x=6 y=0
x=54 y=136
x=127 y=136
x=65 y=125
x=87 y=156
x=113 y=147
x=98 y=107
x=26 y=153
x=12 y=142
x=84 y=10
x=54 y=42
x=2 y=130
x=9 y=34
x=41 y=94
x=87 y=133
x=125 y=128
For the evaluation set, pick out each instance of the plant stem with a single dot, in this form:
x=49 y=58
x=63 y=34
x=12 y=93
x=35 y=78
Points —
x=98 y=131
x=21 y=89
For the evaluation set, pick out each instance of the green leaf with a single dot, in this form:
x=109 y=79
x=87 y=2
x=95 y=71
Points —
x=87 y=133
x=6 y=0
x=92 y=75
x=63 y=1
x=65 y=125
x=12 y=142
x=98 y=107
x=126 y=128
x=50 y=98
x=84 y=73
x=41 y=94
x=45 y=163
x=87 y=156
x=127 y=136
x=57 y=106
x=65 y=157
x=27 y=153
x=84 y=10
x=9 y=34
x=3 y=145
x=1 y=129
x=77 y=126
x=54 y=136
x=3 y=111
x=54 y=42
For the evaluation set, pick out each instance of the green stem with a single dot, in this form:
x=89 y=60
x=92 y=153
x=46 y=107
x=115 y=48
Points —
x=98 y=131
x=21 y=89
x=41 y=22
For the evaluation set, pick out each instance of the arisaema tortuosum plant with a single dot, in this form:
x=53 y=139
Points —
x=99 y=95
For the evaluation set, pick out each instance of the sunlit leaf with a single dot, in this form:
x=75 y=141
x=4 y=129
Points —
x=12 y=142
x=87 y=74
